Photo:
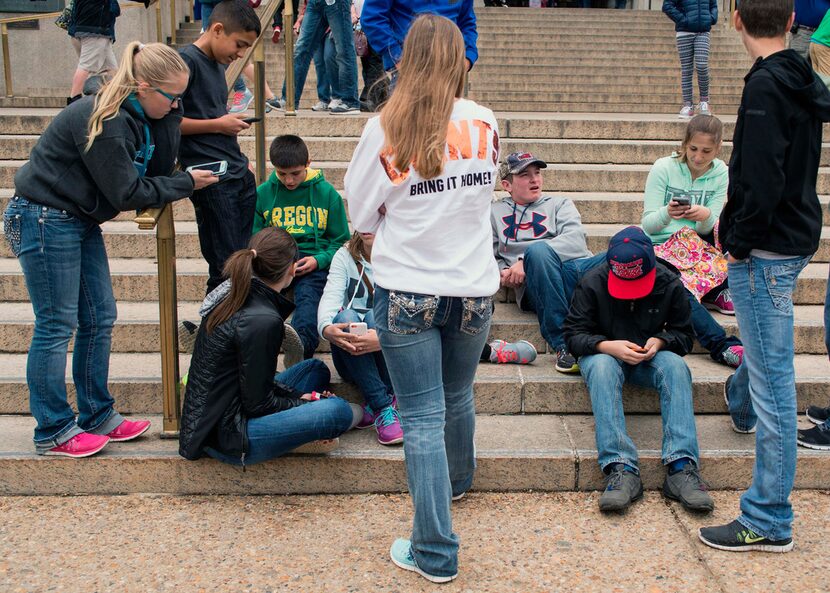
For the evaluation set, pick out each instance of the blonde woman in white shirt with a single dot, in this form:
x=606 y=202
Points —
x=421 y=179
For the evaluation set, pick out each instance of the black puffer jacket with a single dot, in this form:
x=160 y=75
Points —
x=596 y=316
x=231 y=376
x=692 y=16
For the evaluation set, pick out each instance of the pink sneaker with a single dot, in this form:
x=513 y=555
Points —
x=81 y=445
x=721 y=303
x=128 y=430
x=388 y=425
x=733 y=356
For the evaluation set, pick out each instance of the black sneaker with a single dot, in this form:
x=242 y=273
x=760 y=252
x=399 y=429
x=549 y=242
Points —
x=818 y=415
x=622 y=487
x=734 y=537
x=687 y=487
x=817 y=437
x=565 y=361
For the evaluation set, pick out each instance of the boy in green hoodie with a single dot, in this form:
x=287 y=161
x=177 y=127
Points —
x=298 y=199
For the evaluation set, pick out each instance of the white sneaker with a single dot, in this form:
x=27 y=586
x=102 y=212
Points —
x=320 y=106
x=703 y=108
x=687 y=112
x=334 y=103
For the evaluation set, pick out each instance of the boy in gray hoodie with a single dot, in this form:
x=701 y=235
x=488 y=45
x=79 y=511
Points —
x=540 y=247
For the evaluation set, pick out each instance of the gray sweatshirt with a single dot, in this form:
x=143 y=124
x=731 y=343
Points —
x=553 y=220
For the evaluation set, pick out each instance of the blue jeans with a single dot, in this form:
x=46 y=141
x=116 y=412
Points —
x=308 y=290
x=207 y=10
x=432 y=345
x=764 y=387
x=337 y=15
x=224 y=217
x=276 y=434
x=550 y=285
x=709 y=332
x=367 y=371
x=669 y=375
x=321 y=66
x=68 y=278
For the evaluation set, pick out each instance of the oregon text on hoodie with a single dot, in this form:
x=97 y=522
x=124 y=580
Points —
x=312 y=213
x=772 y=203
x=435 y=237
x=670 y=178
x=554 y=220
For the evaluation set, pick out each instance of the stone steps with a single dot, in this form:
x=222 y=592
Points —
x=554 y=453
x=135 y=383
x=137 y=328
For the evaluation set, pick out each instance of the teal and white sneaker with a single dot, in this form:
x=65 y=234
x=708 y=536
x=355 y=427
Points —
x=401 y=554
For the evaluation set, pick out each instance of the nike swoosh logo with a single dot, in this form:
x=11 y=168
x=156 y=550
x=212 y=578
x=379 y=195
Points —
x=749 y=539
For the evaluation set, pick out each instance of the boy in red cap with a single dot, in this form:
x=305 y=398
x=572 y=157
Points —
x=630 y=320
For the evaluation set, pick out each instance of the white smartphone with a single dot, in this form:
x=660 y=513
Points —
x=358 y=329
x=218 y=168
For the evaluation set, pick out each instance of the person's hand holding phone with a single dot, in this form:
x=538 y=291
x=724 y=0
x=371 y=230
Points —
x=338 y=335
x=202 y=178
x=231 y=124
x=653 y=346
x=368 y=342
x=305 y=265
x=697 y=213
x=677 y=209
x=623 y=350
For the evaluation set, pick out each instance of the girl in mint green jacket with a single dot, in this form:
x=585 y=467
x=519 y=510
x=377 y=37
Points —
x=688 y=189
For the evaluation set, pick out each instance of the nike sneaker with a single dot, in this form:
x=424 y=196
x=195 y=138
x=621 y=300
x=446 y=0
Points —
x=735 y=537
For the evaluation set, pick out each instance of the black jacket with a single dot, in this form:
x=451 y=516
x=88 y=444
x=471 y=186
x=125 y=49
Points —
x=772 y=202
x=98 y=184
x=692 y=16
x=596 y=316
x=95 y=16
x=231 y=377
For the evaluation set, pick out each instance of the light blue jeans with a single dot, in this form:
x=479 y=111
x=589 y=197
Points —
x=669 y=375
x=432 y=345
x=68 y=278
x=764 y=387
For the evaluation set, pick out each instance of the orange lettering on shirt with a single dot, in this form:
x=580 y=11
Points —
x=387 y=160
x=459 y=143
x=483 y=129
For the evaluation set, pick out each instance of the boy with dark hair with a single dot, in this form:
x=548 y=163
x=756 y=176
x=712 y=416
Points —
x=298 y=199
x=224 y=211
x=770 y=227
x=630 y=320
x=539 y=244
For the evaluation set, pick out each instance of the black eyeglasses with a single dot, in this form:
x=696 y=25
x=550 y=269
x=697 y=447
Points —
x=173 y=98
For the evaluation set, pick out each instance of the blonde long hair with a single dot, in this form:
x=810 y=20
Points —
x=154 y=63
x=431 y=77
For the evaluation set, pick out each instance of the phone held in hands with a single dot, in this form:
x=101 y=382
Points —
x=683 y=200
x=639 y=349
x=218 y=168
x=252 y=120
x=358 y=328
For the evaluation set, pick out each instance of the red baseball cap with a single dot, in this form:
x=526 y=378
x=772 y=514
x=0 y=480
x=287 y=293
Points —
x=633 y=265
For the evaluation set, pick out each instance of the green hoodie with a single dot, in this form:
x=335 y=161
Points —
x=312 y=213
x=669 y=177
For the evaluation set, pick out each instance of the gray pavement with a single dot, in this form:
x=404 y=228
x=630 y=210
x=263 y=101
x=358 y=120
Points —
x=525 y=542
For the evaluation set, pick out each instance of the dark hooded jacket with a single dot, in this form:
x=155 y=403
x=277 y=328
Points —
x=96 y=17
x=96 y=185
x=231 y=376
x=596 y=316
x=771 y=200
x=692 y=16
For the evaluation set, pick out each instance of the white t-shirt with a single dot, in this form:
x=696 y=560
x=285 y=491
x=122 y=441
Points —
x=435 y=237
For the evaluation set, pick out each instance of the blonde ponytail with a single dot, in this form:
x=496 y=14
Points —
x=154 y=63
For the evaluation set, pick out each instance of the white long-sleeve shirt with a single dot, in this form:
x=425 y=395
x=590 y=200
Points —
x=435 y=237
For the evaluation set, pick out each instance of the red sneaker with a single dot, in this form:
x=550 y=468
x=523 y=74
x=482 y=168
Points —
x=81 y=445
x=128 y=430
x=275 y=36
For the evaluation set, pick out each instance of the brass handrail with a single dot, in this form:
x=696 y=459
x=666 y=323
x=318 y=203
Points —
x=4 y=33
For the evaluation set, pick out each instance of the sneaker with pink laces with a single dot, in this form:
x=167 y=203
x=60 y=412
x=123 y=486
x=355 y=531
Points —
x=733 y=356
x=81 y=445
x=388 y=425
x=721 y=303
x=128 y=430
x=521 y=352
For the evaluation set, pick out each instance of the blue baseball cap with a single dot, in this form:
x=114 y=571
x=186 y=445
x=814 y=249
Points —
x=516 y=162
x=633 y=265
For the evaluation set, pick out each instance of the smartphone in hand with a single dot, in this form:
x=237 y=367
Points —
x=358 y=328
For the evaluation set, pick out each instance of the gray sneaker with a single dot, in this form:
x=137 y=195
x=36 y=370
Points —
x=521 y=352
x=292 y=347
x=622 y=487
x=687 y=487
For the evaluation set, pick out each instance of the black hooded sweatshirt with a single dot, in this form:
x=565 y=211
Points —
x=772 y=202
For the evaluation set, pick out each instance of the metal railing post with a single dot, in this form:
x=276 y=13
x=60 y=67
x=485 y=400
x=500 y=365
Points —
x=159 y=36
x=259 y=107
x=288 y=26
x=7 y=62
x=168 y=317
x=173 y=22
